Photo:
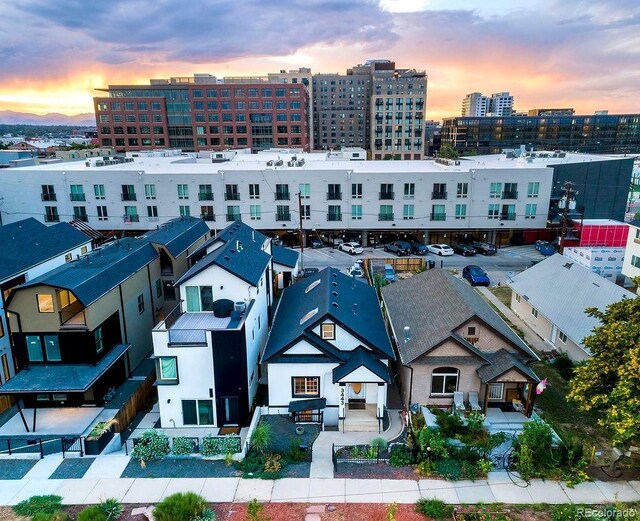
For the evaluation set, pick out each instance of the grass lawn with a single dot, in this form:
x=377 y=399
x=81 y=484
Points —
x=564 y=417
x=503 y=293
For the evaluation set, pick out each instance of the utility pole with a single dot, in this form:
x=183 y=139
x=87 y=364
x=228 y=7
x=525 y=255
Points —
x=566 y=200
x=300 y=230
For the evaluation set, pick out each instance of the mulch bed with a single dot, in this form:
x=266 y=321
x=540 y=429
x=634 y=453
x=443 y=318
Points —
x=72 y=468
x=375 y=471
x=181 y=468
x=15 y=468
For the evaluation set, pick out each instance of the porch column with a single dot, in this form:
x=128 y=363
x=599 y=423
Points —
x=486 y=398
x=380 y=402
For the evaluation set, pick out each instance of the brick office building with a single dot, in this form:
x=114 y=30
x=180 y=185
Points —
x=200 y=113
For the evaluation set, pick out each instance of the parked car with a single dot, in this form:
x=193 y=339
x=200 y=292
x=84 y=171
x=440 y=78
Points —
x=355 y=271
x=418 y=248
x=464 y=249
x=389 y=273
x=307 y=272
x=352 y=248
x=476 y=275
x=440 y=249
x=398 y=247
x=545 y=248
x=485 y=248
x=315 y=243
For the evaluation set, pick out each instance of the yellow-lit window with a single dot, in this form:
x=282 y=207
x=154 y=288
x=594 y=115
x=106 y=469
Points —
x=328 y=331
x=306 y=386
x=45 y=303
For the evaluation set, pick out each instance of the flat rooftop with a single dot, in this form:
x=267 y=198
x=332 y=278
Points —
x=316 y=161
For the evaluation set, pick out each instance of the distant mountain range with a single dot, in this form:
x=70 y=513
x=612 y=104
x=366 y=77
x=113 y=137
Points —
x=9 y=117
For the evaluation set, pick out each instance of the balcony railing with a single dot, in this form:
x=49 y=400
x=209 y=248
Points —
x=334 y=196
x=385 y=217
x=386 y=195
x=231 y=196
x=77 y=197
x=512 y=194
x=334 y=217
x=72 y=311
x=438 y=216
x=282 y=196
x=207 y=217
x=131 y=218
x=129 y=197
x=205 y=196
x=48 y=197
x=283 y=216
x=82 y=217
x=438 y=195
x=233 y=217
x=508 y=216
x=48 y=218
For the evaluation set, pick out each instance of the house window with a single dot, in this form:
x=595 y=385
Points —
x=5 y=368
x=183 y=191
x=102 y=213
x=356 y=211
x=494 y=211
x=52 y=348
x=409 y=190
x=407 y=211
x=152 y=211
x=462 y=190
x=444 y=380
x=533 y=189
x=635 y=261
x=199 y=298
x=158 y=288
x=305 y=211
x=328 y=331
x=167 y=369
x=254 y=191
x=471 y=330
x=256 y=212
x=530 y=211
x=150 y=191
x=185 y=211
x=356 y=191
x=98 y=340
x=34 y=348
x=98 y=191
x=67 y=258
x=305 y=190
x=45 y=303
x=517 y=298
x=140 y=304
x=197 y=412
x=496 y=391
x=495 y=190
x=305 y=386
x=534 y=312
x=282 y=213
x=563 y=337
x=461 y=211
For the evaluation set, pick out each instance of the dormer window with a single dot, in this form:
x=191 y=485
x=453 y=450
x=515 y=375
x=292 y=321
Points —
x=328 y=331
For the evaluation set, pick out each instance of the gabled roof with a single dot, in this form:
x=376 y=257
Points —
x=101 y=270
x=25 y=244
x=499 y=363
x=236 y=231
x=178 y=234
x=246 y=263
x=351 y=304
x=433 y=304
x=360 y=357
x=561 y=290
x=285 y=256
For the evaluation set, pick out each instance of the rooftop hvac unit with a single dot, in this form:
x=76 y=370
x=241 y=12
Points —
x=240 y=306
x=279 y=162
x=291 y=163
x=301 y=161
x=270 y=163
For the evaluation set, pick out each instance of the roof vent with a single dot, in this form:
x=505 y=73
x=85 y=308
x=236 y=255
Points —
x=226 y=258
x=334 y=275
x=335 y=284
x=334 y=293
x=312 y=285
x=568 y=265
x=334 y=304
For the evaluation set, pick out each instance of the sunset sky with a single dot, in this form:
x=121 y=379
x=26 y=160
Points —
x=579 y=53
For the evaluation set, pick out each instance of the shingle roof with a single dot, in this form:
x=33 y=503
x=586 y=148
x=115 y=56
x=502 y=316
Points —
x=349 y=303
x=61 y=378
x=98 y=272
x=285 y=256
x=246 y=263
x=27 y=243
x=435 y=303
x=501 y=362
x=178 y=234
x=360 y=357
x=237 y=230
x=561 y=290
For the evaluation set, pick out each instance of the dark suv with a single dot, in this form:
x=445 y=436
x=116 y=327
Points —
x=418 y=248
x=485 y=248
x=398 y=247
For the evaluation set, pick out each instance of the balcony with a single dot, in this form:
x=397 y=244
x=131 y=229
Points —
x=282 y=196
x=385 y=217
x=334 y=217
x=82 y=217
x=334 y=196
x=77 y=197
x=128 y=197
x=283 y=216
x=508 y=216
x=438 y=216
x=231 y=196
x=386 y=196
x=131 y=218
x=48 y=197
x=205 y=196
x=438 y=195
x=207 y=217
x=72 y=316
x=512 y=194
x=51 y=218
x=233 y=217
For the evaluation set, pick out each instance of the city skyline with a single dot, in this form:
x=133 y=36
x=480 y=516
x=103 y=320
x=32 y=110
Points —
x=573 y=53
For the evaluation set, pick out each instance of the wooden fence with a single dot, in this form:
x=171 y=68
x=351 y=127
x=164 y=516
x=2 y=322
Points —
x=137 y=402
x=400 y=263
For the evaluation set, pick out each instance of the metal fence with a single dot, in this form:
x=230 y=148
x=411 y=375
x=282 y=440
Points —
x=42 y=446
x=359 y=454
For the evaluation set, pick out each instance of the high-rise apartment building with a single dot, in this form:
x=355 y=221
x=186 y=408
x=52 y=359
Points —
x=203 y=113
x=302 y=75
x=475 y=104
x=500 y=104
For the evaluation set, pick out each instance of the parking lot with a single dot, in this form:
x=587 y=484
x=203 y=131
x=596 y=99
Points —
x=504 y=264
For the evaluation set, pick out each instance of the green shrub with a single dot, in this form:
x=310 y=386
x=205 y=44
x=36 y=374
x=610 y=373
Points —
x=180 y=507
x=534 y=453
x=36 y=504
x=217 y=445
x=261 y=437
x=207 y=515
x=400 y=456
x=294 y=454
x=151 y=446
x=56 y=516
x=448 y=468
x=434 y=509
x=379 y=443
x=475 y=423
x=183 y=446
x=111 y=508
x=450 y=424
x=92 y=514
x=564 y=366
x=432 y=444
x=417 y=421
x=565 y=513
x=254 y=510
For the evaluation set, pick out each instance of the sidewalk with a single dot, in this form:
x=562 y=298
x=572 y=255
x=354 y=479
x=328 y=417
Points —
x=498 y=487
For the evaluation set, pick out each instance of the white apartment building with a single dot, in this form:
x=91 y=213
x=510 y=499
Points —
x=369 y=201
x=475 y=104
x=500 y=104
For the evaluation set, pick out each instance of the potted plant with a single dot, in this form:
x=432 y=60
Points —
x=99 y=437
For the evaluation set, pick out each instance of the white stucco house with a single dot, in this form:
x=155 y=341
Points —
x=328 y=353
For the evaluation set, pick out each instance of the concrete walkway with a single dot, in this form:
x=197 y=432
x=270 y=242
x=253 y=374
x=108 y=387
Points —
x=322 y=464
x=498 y=487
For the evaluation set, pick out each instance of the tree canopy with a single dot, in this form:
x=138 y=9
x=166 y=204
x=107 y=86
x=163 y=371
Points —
x=609 y=382
x=447 y=151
